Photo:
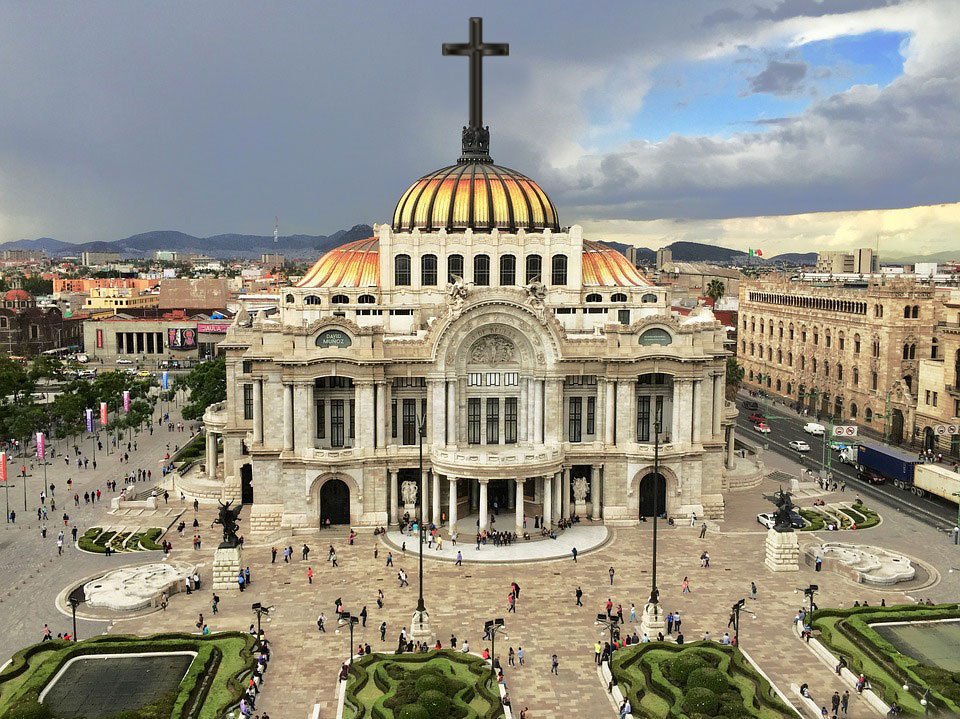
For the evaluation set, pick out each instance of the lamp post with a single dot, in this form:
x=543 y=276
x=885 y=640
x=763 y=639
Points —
x=491 y=628
x=259 y=610
x=351 y=620
x=611 y=623
x=74 y=603
x=420 y=625
x=652 y=620
x=956 y=535
x=809 y=592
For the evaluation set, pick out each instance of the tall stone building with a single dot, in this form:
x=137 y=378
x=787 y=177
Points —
x=938 y=394
x=541 y=366
x=843 y=351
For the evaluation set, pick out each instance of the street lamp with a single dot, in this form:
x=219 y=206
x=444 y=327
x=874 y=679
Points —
x=652 y=619
x=809 y=592
x=735 y=618
x=260 y=610
x=74 y=603
x=351 y=620
x=490 y=628
x=611 y=623
x=420 y=625
x=956 y=535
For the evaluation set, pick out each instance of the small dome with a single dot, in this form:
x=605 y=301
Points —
x=355 y=264
x=477 y=195
x=17 y=296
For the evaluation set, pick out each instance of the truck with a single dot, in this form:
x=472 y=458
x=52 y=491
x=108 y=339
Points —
x=936 y=479
x=877 y=463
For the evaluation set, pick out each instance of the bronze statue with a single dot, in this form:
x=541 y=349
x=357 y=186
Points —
x=228 y=520
x=785 y=510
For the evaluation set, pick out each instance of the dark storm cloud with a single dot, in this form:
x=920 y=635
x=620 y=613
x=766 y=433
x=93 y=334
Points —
x=779 y=78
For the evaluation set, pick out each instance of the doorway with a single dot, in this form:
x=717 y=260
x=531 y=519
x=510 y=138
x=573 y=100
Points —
x=653 y=495
x=246 y=484
x=335 y=502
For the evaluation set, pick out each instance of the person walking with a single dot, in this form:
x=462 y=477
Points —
x=309 y=575
x=703 y=530
x=633 y=613
x=818 y=563
x=321 y=623
x=459 y=562
x=554 y=665
x=753 y=591
x=520 y=655
x=383 y=631
x=685 y=586
x=363 y=616
x=574 y=553
x=845 y=701
x=611 y=572
x=579 y=597
x=389 y=559
x=273 y=555
x=333 y=559
x=835 y=702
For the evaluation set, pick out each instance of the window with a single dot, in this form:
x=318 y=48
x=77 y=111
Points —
x=246 y=366
x=868 y=414
x=779 y=356
x=803 y=335
x=790 y=358
x=428 y=270
x=454 y=267
x=474 y=379
x=906 y=312
x=916 y=312
x=935 y=395
x=856 y=344
x=493 y=420
x=558 y=274
x=651 y=298
x=508 y=270
x=594 y=297
x=853 y=410
x=248 y=401
x=927 y=397
x=366 y=300
x=591 y=415
x=336 y=423
x=956 y=408
x=623 y=317
x=473 y=420
x=791 y=333
x=906 y=351
x=934 y=348
x=321 y=419
x=839 y=372
x=827 y=339
x=643 y=419
x=289 y=299
x=576 y=412
x=493 y=379
x=409 y=421
x=841 y=341
x=814 y=364
x=873 y=380
x=856 y=377
x=393 y=418
x=510 y=405
x=311 y=300
x=401 y=270
x=511 y=379
x=803 y=361
x=618 y=297
x=481 y=270
x=339 y=300
x=534 y=268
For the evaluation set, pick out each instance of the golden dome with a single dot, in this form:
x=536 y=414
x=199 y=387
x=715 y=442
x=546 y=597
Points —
x=605 y=267
x=477 y=195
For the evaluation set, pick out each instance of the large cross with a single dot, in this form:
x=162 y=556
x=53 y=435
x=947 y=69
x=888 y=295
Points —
x=476 y=49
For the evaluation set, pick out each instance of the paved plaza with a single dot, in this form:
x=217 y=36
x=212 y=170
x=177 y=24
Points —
x=460 y=599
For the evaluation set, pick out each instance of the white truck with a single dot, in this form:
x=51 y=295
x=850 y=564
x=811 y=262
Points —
x=936 y=479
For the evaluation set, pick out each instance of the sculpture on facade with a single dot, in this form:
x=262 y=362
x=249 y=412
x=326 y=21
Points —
x=408 y=491
x=536 y=294
x=227 y=518
x=492 y=349
x=580 y=489
x=785 y=510
x=242 y=318
x=456 y=296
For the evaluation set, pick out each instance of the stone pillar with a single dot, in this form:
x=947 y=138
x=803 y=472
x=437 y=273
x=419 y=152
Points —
x=451 y=415
x=548 y=501
x=394 y=498
x=718 y=406
x=594 y=492
x=523 y=412
x=696 y=409
x=557 y=495
x=518 y=506
x=287 y=417
x=566 y=492
x=211 y=455
x=538 y=411
x=304 y=409
x=553 y=411
x=730 y=446
x=258 y=411
x=381 y=415
x=425 y=496
x=366 y=409
x=601 y=414
x=436 y=498
x=483 y=503
x=782 y=551
x=436 y=413
x=610 y=407
x=511 y=495
x=452 y=505
x=675 y=420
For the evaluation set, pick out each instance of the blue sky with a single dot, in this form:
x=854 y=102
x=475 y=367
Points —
x=713 y=96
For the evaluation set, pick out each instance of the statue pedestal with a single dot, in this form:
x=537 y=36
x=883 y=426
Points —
x=782 y=551
x=580 y=508
x=420 y=627
x=226 y=567
x=652 y=621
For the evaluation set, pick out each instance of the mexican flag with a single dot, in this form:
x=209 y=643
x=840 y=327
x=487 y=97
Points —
x=755 y=253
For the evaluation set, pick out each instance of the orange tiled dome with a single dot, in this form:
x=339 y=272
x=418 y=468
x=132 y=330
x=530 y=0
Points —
x=606 y=267
x=17 y=296
x=476 y=195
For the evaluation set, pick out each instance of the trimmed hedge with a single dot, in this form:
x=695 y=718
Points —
x=96 y=540
x=848 y=633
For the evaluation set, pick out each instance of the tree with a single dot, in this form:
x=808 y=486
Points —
x=47 y=367
x=734 y=377
x=716 y=290
x=36 y=285
x=206 y=384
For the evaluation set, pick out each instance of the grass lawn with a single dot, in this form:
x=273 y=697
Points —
x=96 y=540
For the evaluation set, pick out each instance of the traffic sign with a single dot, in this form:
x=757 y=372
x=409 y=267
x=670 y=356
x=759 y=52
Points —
x=845 y=430
x=943 y=429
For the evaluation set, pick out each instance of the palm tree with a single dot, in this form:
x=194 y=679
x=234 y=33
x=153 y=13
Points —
x=716 y=290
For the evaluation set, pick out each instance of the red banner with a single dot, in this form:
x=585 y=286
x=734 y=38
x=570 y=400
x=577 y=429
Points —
x=103 y=414
x=3 y=466
x=99 y=339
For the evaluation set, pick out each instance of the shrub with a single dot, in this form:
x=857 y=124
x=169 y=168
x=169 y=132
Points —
x=436 y=704
x=701 y=700
x=428 y=681
x=30 y=710
x=413 y=711
x=683 y=664
x=709 y=678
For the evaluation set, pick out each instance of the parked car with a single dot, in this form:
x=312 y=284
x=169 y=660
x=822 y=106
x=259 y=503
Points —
x=799 y=445
x=761 y=427
x=766 y=519
x=144 y=373
x=124 y=361
x=815 y=429
x=757 y=418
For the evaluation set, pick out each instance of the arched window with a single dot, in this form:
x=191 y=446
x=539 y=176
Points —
x=839 y=371
x=311 y=300
x=534 y=268
x=618 y=297
x=3 y=322
x=853 y=410
x=454 y=267
x=856 y=344
x=814 y=364
x=655 y=336
x=339 y=300
x=289 y=299
x=856 y=377
x=594 y=297
x=779 y=356
x=913 y=351
x=906 y=350
x=778 y=385
x=841 y=340
x=934 y=348
x=481 y=270
x=366 y=300
x=908 y=380
x=790 y=388
x=769 y=354
x=508 y=270
x=803 y=361
x=827 y=339
x=648 y=298
x=558 y=270
x=906 y=312
x=428 y=270
x=790 y=359
x=916 y=311
x=401 y=270
x=868 y=415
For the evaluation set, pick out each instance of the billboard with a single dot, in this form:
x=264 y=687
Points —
x=41 y=446
x=213 y=328
x=181 y=338
x=99 y=339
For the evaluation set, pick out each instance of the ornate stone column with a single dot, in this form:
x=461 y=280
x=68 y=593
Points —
x=394 y=498
x=511 y=494
x=523 y=412
x=730 y=446
x=718 y=406
x=548 y=500
x=553 y=411
x=211 y=455
x=538 y=411
x=451 y=415
x=696 y=395
x=483 y=503
x=258 y=411
x=436 y=498
x=425 y=496
x=610 y=407
x=594 y=492
x=601 y=416
x=518 y=506
x=304 y=409
x=566 y=492
x=675 y=431
x=557 y=495
x=287 y=416
x=452 y=505
x=437 y=415
x=366 y=409
x=381 y=415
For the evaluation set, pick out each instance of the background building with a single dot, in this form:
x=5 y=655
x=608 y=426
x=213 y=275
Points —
x=27 y=330
x=206 y=295
x=95 y=259
x=862 y=261
x=149 y=342
x=121 y=299
x=938 y=395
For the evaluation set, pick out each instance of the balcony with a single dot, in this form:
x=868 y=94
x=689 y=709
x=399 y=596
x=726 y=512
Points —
x=497 y=461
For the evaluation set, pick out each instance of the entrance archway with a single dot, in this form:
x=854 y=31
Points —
x=335 y=502
x=653 y=484
x=896 y=427
x=246 y=484
x=929 y=439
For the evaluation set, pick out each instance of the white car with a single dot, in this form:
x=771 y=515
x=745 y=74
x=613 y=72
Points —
x=799 y=445
x=761 y=427
x=124 y=361
x=815 y=429
x=767 y=520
